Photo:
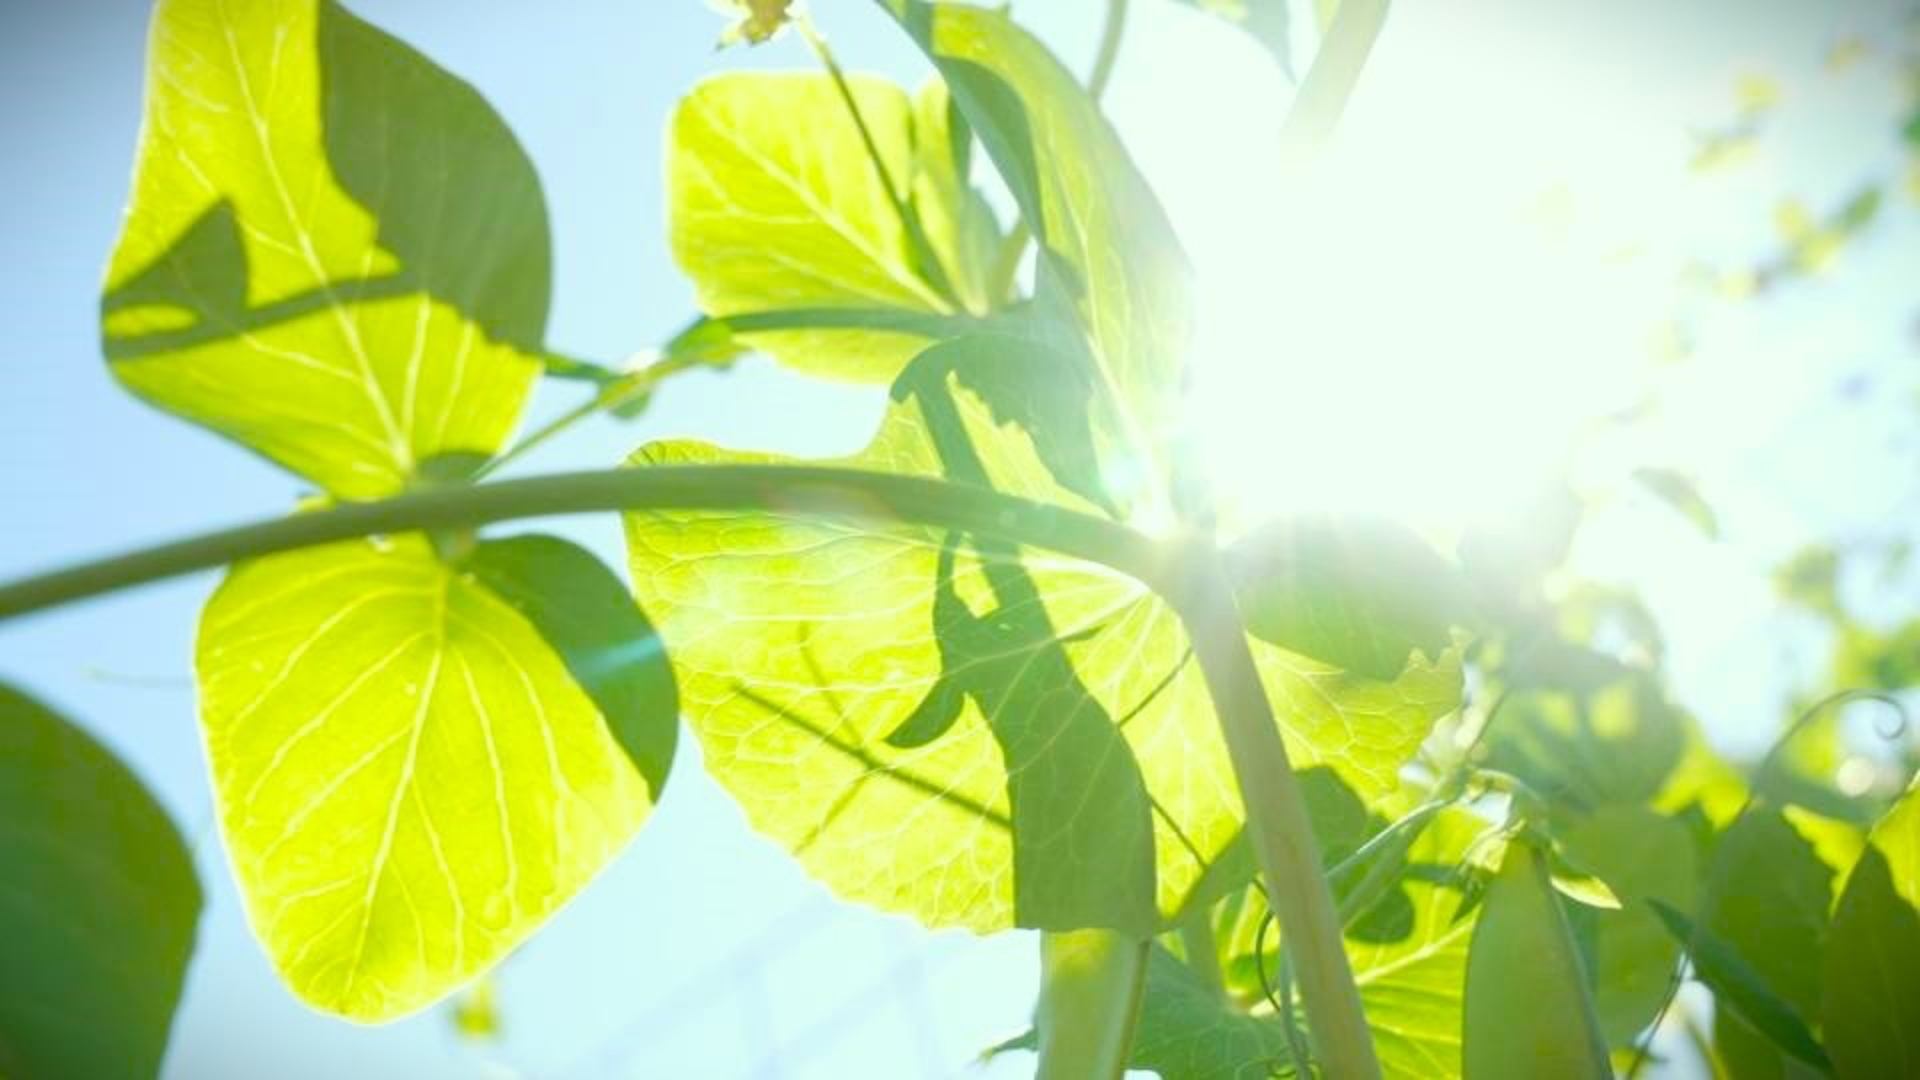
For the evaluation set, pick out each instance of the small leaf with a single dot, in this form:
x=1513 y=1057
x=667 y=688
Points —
x=98 y=906
x=1584 y=888
x=408 y=775
x=1678 y=491
x=286 y=275
x=1870 y=1006
x=755 y=21
x=1528 y=1013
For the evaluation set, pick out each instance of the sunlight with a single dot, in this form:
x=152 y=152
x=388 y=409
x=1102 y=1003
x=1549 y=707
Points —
x=1419 y=325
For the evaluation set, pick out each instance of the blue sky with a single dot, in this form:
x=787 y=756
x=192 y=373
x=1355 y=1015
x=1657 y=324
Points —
x=703 y=951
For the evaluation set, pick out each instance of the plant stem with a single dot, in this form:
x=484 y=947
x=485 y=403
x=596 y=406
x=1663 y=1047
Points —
x=820 y=491
x=1277 y=823
x=1329 y=83
x=1014 y=247
x=900 y=195
x=1089 y=999
x=1111 y=32
x=1203 y=952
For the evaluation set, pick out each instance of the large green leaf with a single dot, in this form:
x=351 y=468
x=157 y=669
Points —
x=98 y=905
x=961 y=730
x=1108 y=256
x=1871 y=999
x=1528 y=1013
x=408 y=771
x=335 y=254
x=777 y=208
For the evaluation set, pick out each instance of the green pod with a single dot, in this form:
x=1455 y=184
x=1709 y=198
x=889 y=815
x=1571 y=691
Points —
x=1528 y=1013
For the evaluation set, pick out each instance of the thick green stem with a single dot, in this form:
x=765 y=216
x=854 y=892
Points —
x=1277 y=824
x=1090 y=983
x=818 y=491
x=1329 y=83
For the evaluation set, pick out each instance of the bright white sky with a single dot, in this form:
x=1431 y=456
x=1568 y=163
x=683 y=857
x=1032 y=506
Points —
x=1477 y=270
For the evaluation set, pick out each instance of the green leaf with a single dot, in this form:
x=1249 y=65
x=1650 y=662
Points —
x=775 y=206
x=1643 y=856
x=1528 y=1013
x=1413 y=984
x=336 y=253
x=1090 y=984
x=1269 y=21
x=98 y=905
x=408 y=773
x=1770 y=910
x=967 y=732
x=1189 y=1032
x=1680 y=493
x=1744 y=993
x=1870 y=1005
x=1362 y=594
x=586 y=615
x=1108 y=256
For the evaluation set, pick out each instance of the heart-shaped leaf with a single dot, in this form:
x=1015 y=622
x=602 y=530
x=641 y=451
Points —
x=335 y=254
x=416 y=764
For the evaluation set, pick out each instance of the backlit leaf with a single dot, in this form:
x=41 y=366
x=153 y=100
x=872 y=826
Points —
x=1108 y=255
x=336 y=254
x=775 y=206
x=98 y=906
x=1870 y=1005
x=961 y=730
x=408 y=772
x=1410 y=969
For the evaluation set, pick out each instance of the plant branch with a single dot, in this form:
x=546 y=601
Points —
x=1329 y=83
x=1277 y=824
x=820 y=491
